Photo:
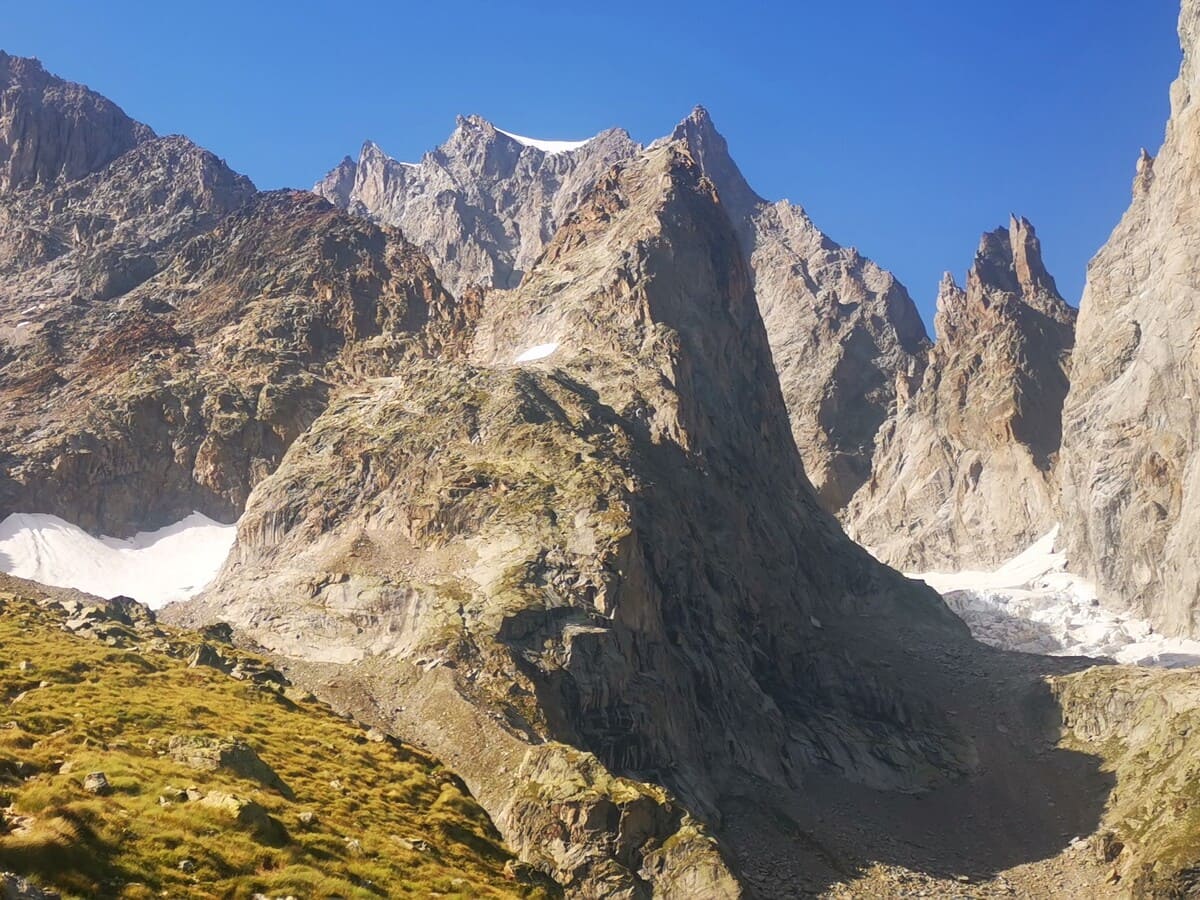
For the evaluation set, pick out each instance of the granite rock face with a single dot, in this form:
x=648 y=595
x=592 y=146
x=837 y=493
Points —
x=963 y=475
x=129 y=412
x=843 y=332
x=100 y=236
x=1131 y=445
x=165 y=330
x=482 y=205
x=52 y=130
x=841 y=328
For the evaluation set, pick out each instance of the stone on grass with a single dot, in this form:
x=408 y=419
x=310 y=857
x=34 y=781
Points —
x=97 y=783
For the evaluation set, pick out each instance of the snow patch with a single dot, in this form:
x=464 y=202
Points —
x=541 y=351
x=1032 y=604
x=550 y=147
x=155 y=567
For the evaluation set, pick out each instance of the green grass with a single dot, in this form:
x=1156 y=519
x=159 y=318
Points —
x=115 y=710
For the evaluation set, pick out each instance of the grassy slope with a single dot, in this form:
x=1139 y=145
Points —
x=114 y=710
x=1145 y=724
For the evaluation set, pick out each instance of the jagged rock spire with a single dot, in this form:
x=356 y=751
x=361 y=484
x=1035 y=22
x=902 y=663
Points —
x=983 y=427
x=484 y=204
x=709 y=148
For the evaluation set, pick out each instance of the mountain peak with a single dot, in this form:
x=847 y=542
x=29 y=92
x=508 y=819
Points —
x=700 y=115
x=473 y=121
x=57 y=130
x=1009 y=260
x=1027 y=260
x=708 y=147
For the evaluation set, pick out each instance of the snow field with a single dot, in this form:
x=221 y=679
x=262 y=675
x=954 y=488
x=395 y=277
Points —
x=154 y=567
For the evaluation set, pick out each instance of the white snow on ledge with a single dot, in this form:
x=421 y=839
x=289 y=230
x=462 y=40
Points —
x=1034 y=605
x=550 y=147
x=155 y=567
x=541 y=351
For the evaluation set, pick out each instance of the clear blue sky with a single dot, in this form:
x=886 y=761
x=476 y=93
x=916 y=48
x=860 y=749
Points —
x=905 y=128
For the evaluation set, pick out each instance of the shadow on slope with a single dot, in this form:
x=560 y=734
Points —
x=1025 y=801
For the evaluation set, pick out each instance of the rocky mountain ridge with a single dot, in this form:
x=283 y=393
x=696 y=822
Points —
x=484 y=206
x=53 y=130
x=964 y=474
x=574 y=591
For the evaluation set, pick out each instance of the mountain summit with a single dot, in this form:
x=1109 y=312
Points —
x=52 y=130
x=484 y=203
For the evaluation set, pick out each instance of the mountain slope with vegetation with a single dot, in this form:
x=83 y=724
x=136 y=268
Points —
x=138 y=760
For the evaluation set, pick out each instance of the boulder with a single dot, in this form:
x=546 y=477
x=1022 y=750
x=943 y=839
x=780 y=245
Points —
x=97 y=783
x=224 y=754
x=14 y=887
x=249 y=815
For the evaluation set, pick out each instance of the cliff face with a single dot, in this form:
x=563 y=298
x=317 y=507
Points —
x=841 y=328
x=73 y=243
x=165 y=330
x=1130 y=462
x=963 y=474
x=129 y=412
x=53 y=130
x=842 y=332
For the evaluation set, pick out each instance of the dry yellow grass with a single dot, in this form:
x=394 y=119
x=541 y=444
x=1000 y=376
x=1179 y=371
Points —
x=115 y=710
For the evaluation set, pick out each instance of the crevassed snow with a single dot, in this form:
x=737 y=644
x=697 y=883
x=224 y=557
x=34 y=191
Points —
x=541 y=351
x=155 y=567
x=1033 y=604
x=545 y=146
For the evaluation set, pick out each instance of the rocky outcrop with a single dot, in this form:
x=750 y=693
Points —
x=165 y=330
x=843 y=333
x=189 y=391
x=841 y=328
x=67 y=245
x=613 y=553
x=1131 y=444
x=52 y=130
x=1142 y=723
x=482 y=205
x=963 y=477
x=710 y=150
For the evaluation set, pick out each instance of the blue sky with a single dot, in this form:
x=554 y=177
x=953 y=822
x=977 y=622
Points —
x=906 y=129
